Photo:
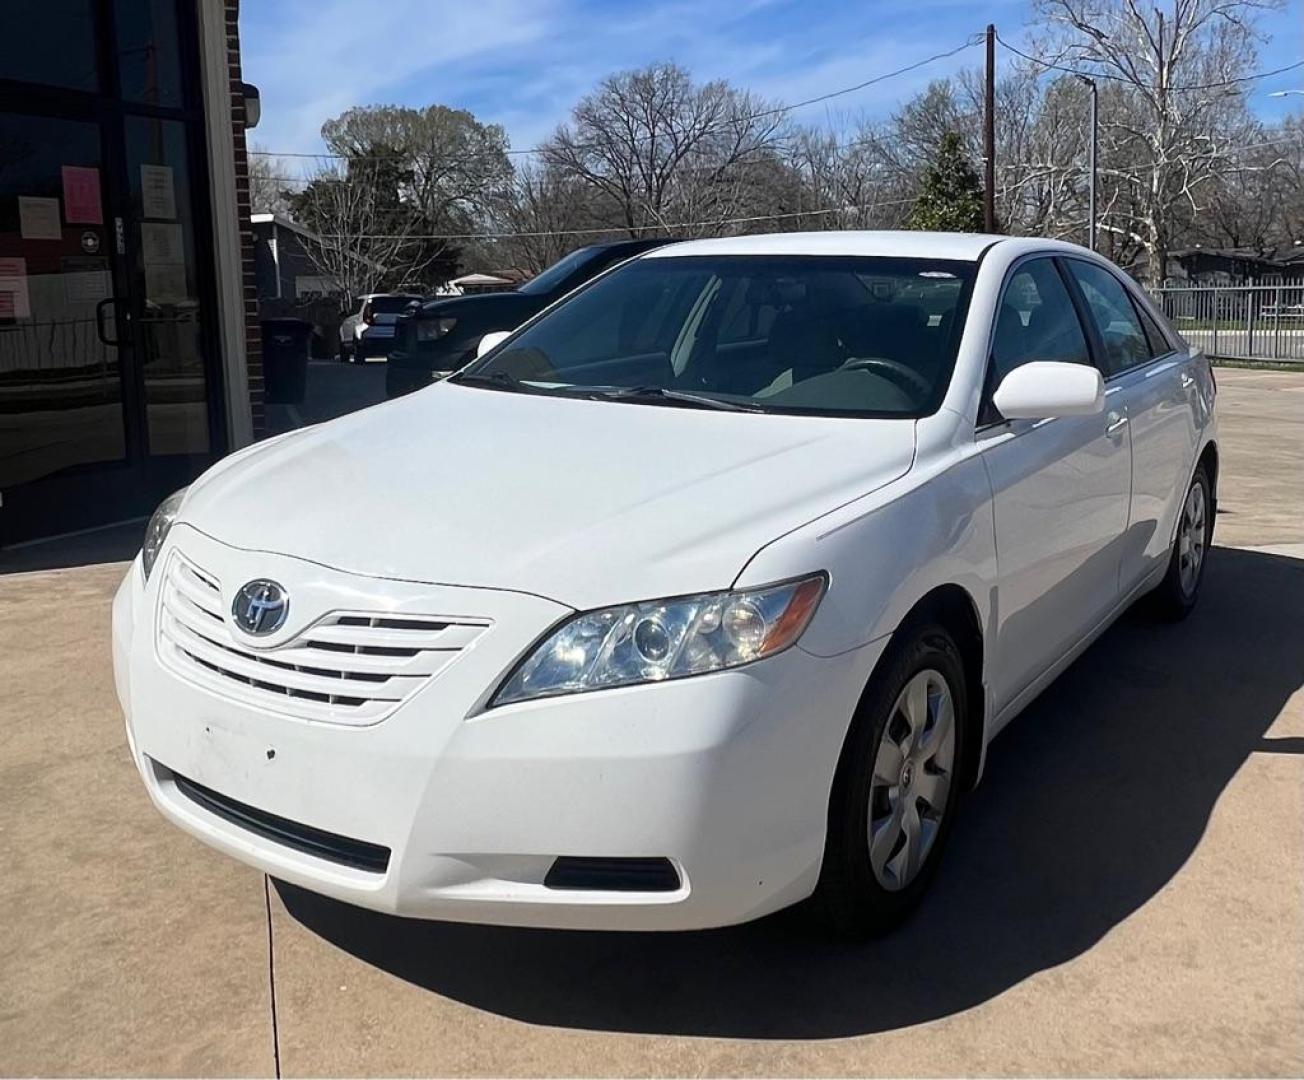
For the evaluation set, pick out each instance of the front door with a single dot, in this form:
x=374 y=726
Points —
x=1060 y=492
x=1154 y=382
x=108 y=388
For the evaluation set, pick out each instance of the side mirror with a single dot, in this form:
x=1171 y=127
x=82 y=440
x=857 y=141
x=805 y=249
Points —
x=1050 y=388
x=491 y=339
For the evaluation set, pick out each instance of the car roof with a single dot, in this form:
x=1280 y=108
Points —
x=645 y=243
x=897 y=243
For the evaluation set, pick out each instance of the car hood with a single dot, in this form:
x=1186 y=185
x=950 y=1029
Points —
x=584 y=502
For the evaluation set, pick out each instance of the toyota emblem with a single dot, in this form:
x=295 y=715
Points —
x=260 y=607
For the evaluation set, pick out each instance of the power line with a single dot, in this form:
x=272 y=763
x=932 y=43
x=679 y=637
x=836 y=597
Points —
x=1215 y=153
x=850 y=144
x=856 y=143
x=1146 y=86
x=968 y=43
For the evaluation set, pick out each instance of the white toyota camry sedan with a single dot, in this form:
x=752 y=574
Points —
x=701 y=594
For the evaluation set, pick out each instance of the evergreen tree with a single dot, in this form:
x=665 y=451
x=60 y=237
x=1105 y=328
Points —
x=951 y=199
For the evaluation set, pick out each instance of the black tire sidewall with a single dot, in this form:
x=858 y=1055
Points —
x=1174 y=600
x=849 y=898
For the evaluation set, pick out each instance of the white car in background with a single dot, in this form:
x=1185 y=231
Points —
x=369 y=331
x=746 y=551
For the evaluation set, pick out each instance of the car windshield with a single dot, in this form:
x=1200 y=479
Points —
x=784 y=334
x=557 y=273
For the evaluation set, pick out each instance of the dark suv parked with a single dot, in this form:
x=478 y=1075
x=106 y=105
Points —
x=442 y=334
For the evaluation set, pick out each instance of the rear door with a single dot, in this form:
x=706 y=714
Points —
x=1150 y=379
x=1059 y=486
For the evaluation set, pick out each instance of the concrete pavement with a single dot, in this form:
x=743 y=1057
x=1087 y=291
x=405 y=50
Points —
x=1124 y=894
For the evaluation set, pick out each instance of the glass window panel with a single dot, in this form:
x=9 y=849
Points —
x=50 y=42
x=172 y=358
x=836 y=335
x=60 y=385
x=1159 y=345
x=1037 y=321
x=149 y=60
x=1115 y=317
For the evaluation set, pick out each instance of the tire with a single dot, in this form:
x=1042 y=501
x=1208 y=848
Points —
x=1177 y=594
x=860 y=894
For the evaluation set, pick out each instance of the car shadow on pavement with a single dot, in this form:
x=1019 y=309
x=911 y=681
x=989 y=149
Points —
x=1092 y=801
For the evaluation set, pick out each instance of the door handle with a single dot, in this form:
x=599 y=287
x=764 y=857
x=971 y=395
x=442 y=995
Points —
x=1117 y=422
x=1187 y=381
x=100 y=309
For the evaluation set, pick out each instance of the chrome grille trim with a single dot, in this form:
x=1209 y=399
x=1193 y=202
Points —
x=348 y=667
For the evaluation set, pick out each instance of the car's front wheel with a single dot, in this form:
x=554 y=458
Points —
x=896 y=789
x=1177 y=594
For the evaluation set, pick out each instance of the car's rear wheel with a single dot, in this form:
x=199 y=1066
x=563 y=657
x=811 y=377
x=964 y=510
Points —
x=896 y=789
x=1176 y=596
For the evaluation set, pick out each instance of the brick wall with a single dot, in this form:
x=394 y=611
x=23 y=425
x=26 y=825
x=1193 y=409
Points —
x=253 y=340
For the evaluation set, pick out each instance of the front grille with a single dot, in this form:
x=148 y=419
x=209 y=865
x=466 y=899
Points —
x=358 y=854
x=346 y=668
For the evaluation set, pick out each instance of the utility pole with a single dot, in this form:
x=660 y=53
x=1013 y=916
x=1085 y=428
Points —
x=1091 y=163
x=989 y=134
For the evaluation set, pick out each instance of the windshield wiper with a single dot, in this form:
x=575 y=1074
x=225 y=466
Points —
x=682 y=397
x=499 y=380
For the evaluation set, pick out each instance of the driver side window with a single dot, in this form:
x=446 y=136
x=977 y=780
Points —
x=1036 y=321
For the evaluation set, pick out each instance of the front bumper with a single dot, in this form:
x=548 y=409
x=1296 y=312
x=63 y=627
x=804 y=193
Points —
x=727 y=775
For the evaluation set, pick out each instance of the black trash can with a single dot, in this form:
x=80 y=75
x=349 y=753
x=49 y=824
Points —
x=286 y=343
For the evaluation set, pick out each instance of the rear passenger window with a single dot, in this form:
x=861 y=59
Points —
x=1115 y=316
x=1159 y=344
x=1036 y=321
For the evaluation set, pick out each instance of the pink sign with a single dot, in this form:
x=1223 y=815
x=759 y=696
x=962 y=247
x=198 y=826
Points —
x=81 y=196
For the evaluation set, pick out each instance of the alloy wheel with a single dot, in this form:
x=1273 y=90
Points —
x=913 y=772
x=1191 y=539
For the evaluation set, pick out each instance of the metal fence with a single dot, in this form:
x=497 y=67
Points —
x=1240 y=322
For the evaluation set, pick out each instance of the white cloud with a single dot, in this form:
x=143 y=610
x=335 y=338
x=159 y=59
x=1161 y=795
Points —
x=524 y=63
x=311 y=60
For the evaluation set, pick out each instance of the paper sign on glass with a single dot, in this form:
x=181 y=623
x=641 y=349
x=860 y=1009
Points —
x=81 y=195
x=38 y=219
x=158 y=197
x=14 y=300
x=161 y=243
x=165 y=283
x=85 y=279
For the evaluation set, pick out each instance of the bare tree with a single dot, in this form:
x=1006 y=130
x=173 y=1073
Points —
x=549 y=214
x=1176 y=109
x=268 y=186
x=663 y=150
x=367 y=239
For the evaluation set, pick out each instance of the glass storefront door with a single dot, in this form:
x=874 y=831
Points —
x=109 y=391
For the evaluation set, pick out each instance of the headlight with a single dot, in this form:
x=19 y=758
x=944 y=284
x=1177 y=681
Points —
x=665 y=639
x=431 y=329
x=158 y=528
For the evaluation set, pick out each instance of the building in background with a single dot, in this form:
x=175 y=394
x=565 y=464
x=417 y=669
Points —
x=129 y=355
x=290 y=284
x=498 y=281
x=283 y=267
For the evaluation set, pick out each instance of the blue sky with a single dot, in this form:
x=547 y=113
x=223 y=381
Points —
x=524 y=63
